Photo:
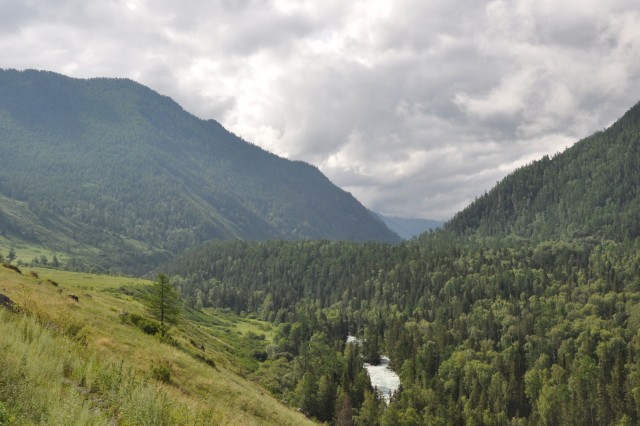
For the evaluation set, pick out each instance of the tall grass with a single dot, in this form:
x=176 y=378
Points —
x=66 y=362
x=47 y=377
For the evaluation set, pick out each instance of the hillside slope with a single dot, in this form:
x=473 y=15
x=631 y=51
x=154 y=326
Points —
x=591 y=189
x=118 y=167
x=84 y=362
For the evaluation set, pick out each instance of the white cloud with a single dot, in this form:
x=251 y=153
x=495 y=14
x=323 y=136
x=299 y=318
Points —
x=415 y=107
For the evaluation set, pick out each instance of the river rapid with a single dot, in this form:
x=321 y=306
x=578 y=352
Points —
x=383 y=378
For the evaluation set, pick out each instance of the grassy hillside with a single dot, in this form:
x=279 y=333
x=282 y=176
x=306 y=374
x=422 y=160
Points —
x=68 y=362
x=114 y=166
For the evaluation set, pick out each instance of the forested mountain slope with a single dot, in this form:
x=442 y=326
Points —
x=124 y=171
x=591 y=189
x=524 y=310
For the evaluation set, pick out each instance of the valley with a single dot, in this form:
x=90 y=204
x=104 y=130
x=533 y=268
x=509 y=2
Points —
x=523 y=309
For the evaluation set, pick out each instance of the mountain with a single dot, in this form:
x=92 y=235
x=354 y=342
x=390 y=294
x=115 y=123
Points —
x=407 y=227
x=112 y=168
x=590 y=189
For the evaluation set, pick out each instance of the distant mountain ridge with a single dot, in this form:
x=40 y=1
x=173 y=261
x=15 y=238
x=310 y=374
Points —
x=590 y=189
x=408 y=227
x=126 y=173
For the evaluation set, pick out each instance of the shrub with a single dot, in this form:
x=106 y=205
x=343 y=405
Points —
x=147 y=325
x=254 y=336
x=260 y=356
x=161 y=373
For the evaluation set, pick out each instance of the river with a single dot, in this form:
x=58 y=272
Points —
x=383 y=378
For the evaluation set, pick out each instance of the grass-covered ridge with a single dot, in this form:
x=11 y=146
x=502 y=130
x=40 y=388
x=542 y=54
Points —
x=68 y=362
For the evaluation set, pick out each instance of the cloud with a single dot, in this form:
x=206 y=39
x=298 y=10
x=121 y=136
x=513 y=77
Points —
x=415 y=107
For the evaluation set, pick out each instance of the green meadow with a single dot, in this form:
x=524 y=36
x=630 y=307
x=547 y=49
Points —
x=84 y=362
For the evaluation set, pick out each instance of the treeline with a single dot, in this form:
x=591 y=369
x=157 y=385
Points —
x=481 y=330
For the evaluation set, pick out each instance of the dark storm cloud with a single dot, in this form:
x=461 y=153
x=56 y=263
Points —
x=415 y=107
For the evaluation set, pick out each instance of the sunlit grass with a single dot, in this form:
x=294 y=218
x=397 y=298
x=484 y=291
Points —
x=77 y=360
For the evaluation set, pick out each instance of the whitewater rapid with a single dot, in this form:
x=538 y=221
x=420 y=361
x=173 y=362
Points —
x=383 y=378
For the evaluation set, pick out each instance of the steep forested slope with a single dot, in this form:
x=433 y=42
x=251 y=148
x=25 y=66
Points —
x=117 y=167
x=592 y=188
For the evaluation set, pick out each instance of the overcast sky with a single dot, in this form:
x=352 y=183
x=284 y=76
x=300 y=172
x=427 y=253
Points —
x=414 y=106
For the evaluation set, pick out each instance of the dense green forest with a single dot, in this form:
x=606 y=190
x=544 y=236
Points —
x=525 y=309
x=481 y=330
x=110 y=168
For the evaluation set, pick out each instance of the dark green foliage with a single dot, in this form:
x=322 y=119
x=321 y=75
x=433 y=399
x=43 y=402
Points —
x=111 y=165
x=591 y=189
x=161 y=373
x=147 y=325
x=163 y=302
x=344 y=416
x=482 y=330
x=11 y=256
x=260 y=356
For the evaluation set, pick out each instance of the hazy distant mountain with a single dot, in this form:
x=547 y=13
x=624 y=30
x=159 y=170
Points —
x=407 y=227
x=110 y=167
x=591 y=189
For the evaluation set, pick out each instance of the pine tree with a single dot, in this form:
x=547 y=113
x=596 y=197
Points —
x=11 y=256
x=164 y=303
x=344 y=417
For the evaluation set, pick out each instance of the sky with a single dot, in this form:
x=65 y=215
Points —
x=416 y=107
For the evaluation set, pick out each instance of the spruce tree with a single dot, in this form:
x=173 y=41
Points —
x=164 y=303
x=11 y=256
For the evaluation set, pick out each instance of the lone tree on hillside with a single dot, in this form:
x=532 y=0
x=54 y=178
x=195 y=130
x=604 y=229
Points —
x=164 y=303
x=11 y=256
